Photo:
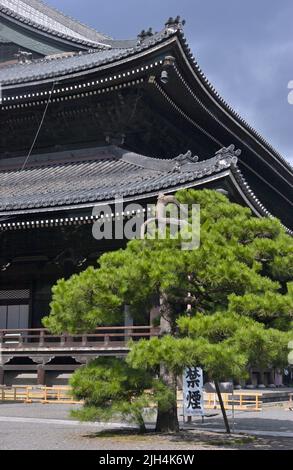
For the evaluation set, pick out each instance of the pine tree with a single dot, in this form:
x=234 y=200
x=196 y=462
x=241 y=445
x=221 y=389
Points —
x=238 y=286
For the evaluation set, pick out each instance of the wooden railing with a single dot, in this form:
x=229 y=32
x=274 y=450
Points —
x=242 y=401
x=103 y=337
x=30 y=394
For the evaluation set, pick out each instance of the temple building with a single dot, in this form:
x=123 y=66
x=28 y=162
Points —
x=86 y=118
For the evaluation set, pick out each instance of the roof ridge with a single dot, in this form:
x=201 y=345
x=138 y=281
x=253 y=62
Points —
x=96 y=180
x=115 y=55
x=50 y=58
x=65 y=31
x=180 y=163
x=65 y=16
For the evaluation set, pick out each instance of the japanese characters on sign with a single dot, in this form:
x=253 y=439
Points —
x=193 y=399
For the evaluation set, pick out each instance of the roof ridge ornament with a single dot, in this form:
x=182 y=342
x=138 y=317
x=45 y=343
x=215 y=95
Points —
x=174 y=24
x=24 y=57
x=227 y=156
x=184 y=159
x=228 y=152
x=145 y=34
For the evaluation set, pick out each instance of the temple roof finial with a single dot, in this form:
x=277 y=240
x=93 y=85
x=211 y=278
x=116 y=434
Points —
x=231 y=151
x=24 y=57
x=175 y=23
x=145 y=34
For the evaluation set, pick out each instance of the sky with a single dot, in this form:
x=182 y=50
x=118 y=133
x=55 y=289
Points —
x=245 y=49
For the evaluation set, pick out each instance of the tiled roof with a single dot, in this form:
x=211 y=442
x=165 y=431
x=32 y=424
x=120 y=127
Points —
x=83 y=61
x=102 y=175
x=35 y=70
x=37 y=14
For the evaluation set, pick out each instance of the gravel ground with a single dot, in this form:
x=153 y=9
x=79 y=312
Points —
x=41 y=437
x=48 y=427
x=36 y=410
x=276 y=418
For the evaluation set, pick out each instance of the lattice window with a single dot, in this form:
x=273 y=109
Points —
x=21 y=294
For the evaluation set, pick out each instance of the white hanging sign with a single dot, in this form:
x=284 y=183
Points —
x=193 y=399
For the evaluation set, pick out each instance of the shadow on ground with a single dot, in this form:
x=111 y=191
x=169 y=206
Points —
x=190 y=439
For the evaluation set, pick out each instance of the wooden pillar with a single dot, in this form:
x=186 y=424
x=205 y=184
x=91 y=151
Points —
x=261 y=379
x=271 y=381
x=41 y=375
x=278 y=378
x=128 y=322
x=1 y=375
x=249 y=383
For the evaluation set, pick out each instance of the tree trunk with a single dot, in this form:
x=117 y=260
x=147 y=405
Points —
x=141 y=423
x=167 y=419
x=222 y=407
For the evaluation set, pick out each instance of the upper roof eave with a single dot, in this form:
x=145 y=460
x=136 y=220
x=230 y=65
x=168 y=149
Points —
x=221 y=103
x=50 y=33
x=98 y=63
x=164 y=38
x=65 y=33
x=67 y=20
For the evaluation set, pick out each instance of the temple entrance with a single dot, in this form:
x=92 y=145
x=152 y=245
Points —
x=14 y=309
x=14 y=317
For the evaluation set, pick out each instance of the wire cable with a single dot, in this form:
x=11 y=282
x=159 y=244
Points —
x=39 y=128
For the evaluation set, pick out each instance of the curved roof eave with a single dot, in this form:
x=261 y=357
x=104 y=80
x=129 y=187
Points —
x=65 y=19
x=250 y=198
x=116 y=57
x=100 y=175
x=147 y=48
x=30 y=25
x=212 y=94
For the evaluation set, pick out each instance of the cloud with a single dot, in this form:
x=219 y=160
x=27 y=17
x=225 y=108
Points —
x=245 y=49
